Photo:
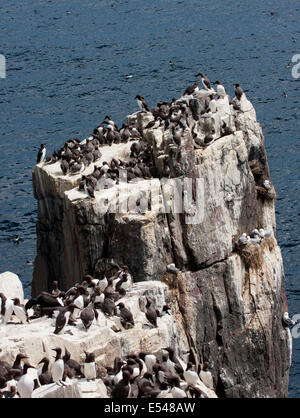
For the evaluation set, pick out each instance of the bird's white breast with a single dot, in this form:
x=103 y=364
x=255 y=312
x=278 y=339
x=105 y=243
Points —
x=89 y=370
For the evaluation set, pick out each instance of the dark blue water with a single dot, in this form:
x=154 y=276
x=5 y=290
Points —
x=66 y=63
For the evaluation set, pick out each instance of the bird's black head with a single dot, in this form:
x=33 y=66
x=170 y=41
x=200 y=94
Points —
x=16 y=301
x=44 y=360
x=199 y=75
x=122 y=292
x=89 y=357
x=21 y=356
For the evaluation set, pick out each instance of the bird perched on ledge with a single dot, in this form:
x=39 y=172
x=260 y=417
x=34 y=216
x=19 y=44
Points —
x=41 y=154
x=142 y=103
x=205 y=81
x=221 y=92
x=238 y=91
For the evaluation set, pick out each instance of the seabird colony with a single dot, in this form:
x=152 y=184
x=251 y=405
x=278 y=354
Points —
x=75 y=155
x=137 y=375
x=142 y=375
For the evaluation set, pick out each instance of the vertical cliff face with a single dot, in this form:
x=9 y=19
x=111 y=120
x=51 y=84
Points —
x=229 y=298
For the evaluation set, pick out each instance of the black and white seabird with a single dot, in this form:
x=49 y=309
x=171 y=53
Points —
x=62 y=319
x=41 y=154
x=110 y=122
x=179 y=365
x=191 y=376
x=19 y=311
x=11 y=393
x=238 y=91
x=25 y=385
x=151 y=313
x=176 y=390
x=110 y=137
x=15 y=239
x=72 y=364
x=64 y=167
x=221 y=92
x=149 y=359
x=109 y=307
x=212 y=104
x=205 y=81
x=58 y=367
x=17 y=362
x=44 y=299
x=226 y=130
x=122 y=389
x=87 y=316
x=154 y=124
x=142 y=103
x=45 y=377
x=89 y=366
x=191 y=89
x=126 y=316
x=7 y=307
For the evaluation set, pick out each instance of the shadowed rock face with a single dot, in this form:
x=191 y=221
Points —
x=231 y=308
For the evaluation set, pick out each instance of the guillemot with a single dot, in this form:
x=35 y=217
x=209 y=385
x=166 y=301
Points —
x=25 y=385
x=221 y=92
x=142 y=103
x=238 y=91
x=205 y=81
x=58 y=367
x=41 y=154
x=89 y=366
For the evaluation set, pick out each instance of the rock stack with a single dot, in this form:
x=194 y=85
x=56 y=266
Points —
x=198 y=179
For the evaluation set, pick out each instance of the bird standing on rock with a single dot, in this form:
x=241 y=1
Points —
x=7 y=307
x=72 y=364
x=25 y=385
x=205 y=81
x=238 y=91
x=62 y=319
x=41 y=154
x=151 y=314
x=122 y=389
x=87 y=316
x=45 y=377
x=142 y=103
x=19 y=311
x=191 y=89
x=89 y=366
x=221 y=92
x=125 y=315
x=58 y=367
